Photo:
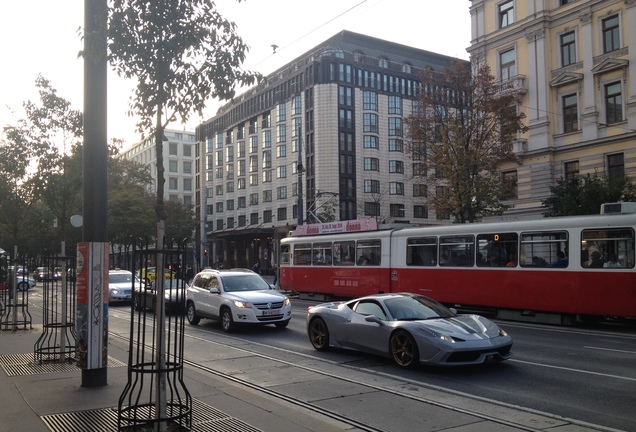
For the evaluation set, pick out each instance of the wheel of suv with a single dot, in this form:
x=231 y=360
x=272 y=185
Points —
x=227 y=322
x=191 y=314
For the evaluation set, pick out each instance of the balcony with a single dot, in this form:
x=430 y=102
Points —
x=515 y=85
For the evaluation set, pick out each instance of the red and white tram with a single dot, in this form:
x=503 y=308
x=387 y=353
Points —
x=548 y=270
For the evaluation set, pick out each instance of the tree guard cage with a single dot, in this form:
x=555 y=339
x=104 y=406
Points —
x=57 y=341
x=155 y=392
x=14 y=296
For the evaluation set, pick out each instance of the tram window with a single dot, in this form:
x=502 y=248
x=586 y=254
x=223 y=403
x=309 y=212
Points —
x=456 y=251
x=284 y=254
x=302 y=254
x=607 y=248
x=321 y=253
x=368 y=252
x=344 y=253
x=497 y=250
x=544 y=249
x=421 y=251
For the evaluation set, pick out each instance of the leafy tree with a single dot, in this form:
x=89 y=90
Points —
x=181 y=52
x=180 y=221
x=584 y=195
x=463 y=129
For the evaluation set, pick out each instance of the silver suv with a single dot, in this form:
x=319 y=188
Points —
x=236 y=296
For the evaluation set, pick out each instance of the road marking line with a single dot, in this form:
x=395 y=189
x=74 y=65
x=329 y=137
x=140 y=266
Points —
x=573 y=370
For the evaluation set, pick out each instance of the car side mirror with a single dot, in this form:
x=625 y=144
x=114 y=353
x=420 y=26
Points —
x=453 y=310
x=214 y=291
x=373 y=319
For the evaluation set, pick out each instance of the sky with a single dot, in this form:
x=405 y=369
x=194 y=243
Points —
x=42 y=37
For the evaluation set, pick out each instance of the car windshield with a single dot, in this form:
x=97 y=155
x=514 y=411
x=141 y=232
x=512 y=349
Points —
x=244 y=282
x=416 y=308
x=119 y=278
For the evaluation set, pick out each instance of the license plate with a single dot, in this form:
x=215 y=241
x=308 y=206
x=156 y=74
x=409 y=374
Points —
x=271 y=312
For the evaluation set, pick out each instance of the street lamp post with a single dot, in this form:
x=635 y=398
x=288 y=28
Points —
x=300 y=176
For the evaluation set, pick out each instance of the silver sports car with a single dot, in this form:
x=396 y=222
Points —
x=409 y=328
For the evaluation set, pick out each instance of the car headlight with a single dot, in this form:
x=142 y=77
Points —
x=437 y=335
x=502 y=332
x=242 y=304
x=114 y=291
x=287 y=301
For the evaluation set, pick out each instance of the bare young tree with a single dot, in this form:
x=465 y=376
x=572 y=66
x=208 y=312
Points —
x=463 y=129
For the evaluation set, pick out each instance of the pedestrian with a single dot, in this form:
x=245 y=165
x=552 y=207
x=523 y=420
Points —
x=275 y=274
x=255 y=267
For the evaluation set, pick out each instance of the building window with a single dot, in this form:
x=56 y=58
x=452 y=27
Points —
x=282 y=213
x=420 y=190
x=396 y=210
x=229 y=205
x=420 y=212
x=395 y=105
x=419 y=169
x=253 y=179
x=615 y=167
x=281 y=135
x=267 y=216
x=230 y=223
x=297 y=108
x=267 y=176
x=253 y=199
x=613 y=103
x=371 y=209
x=187 y=184
x=242 y=202
x=370 y=122
x=173 y=166
x=372 y=186
x=396 y=188
x=396 y=166
x=506 y=13
x=396 y=145
x=509 y=180
x=570 y=113
x=345 y=95
x=507 y=65
x=173 y=149
x=219 y=190
x=229 y=186
x=282 y=113
x=281 y=172
x=281 y=192
x=371 y=141
x=571 y=170
x=611 y=37
x=219 y=207
x=370 y=101
x=371 y=164
x=267 y=196
x=395 y=126
x=187 y=167
x=173 y=183
x=281 y=150
x=240 y=183
x=568 y=49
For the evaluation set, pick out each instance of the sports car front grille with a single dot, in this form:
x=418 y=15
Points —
x=265 y=306
x=471 y=356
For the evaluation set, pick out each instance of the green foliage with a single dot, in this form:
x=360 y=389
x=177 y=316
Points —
x=181 y=53
x=463 y=130
x=584 y=195
x=180 y=221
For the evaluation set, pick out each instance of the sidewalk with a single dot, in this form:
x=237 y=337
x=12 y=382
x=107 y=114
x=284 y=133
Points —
x=41 y=398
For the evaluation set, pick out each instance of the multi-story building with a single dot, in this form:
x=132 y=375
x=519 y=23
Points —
x=178 y=163
x=571 y=65
x=327 y=128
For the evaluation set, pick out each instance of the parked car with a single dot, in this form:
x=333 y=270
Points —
x=174 y=295
x=120 y=286
x=237 y=296
x=24 y=282
x=409 y=328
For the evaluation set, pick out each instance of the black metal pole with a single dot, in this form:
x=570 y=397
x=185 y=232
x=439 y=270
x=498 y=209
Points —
x=95 y=226
x=300 y=169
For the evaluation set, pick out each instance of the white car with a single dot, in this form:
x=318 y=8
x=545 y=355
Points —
x=120 y=286
x=237 y=296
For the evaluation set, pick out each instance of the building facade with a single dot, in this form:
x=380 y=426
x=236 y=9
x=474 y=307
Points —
x=178 y=162
x=323 y=133
x=571 y=65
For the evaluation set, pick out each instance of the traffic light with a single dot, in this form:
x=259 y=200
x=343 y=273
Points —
x=205 y=252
